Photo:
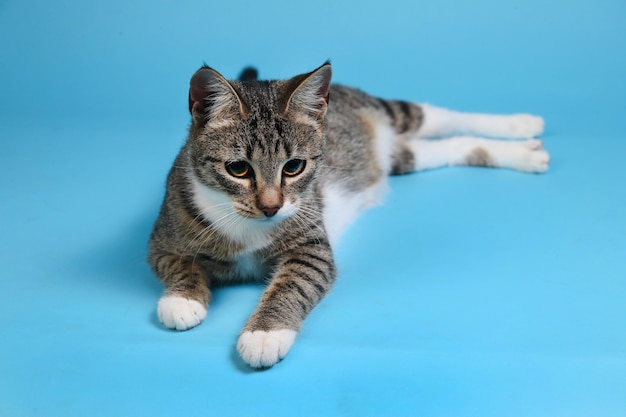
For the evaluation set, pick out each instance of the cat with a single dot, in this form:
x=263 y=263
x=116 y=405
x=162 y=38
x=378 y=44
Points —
x=271 y=174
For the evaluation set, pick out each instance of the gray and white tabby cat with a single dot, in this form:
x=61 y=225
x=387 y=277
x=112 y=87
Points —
x=272 y=173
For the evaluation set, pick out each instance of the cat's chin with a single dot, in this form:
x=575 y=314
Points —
x=262 y=219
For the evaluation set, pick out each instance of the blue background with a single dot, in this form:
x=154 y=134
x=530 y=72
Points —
x=471 y=292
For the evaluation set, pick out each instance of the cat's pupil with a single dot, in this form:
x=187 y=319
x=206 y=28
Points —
x=238 y=169
x=294 y=167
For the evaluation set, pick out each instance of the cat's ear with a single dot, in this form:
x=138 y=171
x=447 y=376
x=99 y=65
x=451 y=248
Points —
x=309 y=93
x=212 y=98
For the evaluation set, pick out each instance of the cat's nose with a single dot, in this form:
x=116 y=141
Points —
x=270 y=211
x=269 y=200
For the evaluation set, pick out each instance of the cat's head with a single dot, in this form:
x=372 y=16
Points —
x=258 y=144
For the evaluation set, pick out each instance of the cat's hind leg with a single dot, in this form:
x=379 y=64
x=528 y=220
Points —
x=525 y=156
x=439 y=122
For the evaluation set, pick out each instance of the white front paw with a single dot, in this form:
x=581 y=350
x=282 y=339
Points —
x=180 y=313
x=526 y=126
x=261 y=349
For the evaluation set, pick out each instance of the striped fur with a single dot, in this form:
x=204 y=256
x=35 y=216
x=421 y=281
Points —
x=271 y=173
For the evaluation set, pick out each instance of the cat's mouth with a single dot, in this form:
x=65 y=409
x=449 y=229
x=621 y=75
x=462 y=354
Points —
x=263 y=216
x=268 y=215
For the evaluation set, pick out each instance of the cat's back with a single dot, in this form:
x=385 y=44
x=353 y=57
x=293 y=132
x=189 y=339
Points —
x=354 y=117
x=352 y=124
x=345 y=99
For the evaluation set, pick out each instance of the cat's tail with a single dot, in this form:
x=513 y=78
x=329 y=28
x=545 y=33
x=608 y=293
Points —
x=249 y=74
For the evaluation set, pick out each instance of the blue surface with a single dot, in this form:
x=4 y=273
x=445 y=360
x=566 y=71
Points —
x=471 y=292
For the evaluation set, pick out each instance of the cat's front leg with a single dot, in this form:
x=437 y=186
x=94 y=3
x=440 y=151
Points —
x=186 y=298
x=301 y=280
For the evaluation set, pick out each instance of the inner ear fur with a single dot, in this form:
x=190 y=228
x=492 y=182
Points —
x=309 y=93
x=212 y=97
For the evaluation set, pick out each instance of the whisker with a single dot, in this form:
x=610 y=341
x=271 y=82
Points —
x=222 y=222
x=202 y=212
x=307 y=220
x=206 y=233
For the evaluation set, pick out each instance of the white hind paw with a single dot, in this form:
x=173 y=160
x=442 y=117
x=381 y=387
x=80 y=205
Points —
x=180 y=313
x=261 y=349
x=539 y=162
x=525 y=126
x=533 y=159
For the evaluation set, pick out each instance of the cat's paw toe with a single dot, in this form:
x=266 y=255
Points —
x=261 y=349
x=180 y=313
x=536 y=161
x=526 y=126
x=540 y=161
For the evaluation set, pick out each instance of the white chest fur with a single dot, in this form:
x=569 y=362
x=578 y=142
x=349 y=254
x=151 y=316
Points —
x=250 y=266
x=216 y=207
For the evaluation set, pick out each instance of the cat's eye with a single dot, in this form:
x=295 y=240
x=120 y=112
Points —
x=239 y=169
x=294 y=167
